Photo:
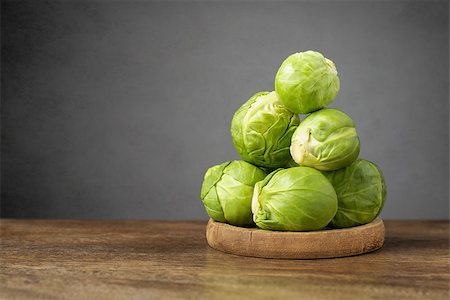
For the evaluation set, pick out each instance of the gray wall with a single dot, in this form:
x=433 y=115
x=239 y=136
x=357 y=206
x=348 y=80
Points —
x=115 y=109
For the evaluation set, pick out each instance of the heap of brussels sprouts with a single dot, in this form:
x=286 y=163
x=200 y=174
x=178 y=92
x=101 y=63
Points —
x=295 y=176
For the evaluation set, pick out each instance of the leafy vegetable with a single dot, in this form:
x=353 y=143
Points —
x=295 y=199
x=361 y=192
x=326 y=140
x=227 y=191
x=262 y=129
x=306 y=81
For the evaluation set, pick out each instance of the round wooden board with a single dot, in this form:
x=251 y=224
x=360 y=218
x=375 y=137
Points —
x=295 y=245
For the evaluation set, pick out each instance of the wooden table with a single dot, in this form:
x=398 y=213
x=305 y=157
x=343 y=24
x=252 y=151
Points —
x=171 y=260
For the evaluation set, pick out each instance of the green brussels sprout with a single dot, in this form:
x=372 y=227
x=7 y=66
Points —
x=326 y=140
x=306 y=82
x=227 y=191
x=262 y=129
x=294 y=199
x=361 y=193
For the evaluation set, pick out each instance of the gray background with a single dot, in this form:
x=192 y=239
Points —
x=115 y=109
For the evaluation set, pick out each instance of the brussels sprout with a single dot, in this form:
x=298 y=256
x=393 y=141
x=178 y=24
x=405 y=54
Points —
x=262 y=129
x=227 y=191
x=326 y=140
x=361 y=193
x=294 y=199
x=306 y=81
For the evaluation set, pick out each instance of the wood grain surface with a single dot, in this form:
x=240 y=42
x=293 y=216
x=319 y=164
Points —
x=329 y=243
x=171 y=260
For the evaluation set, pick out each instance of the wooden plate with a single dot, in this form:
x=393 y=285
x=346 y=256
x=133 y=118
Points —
x=295 y=245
